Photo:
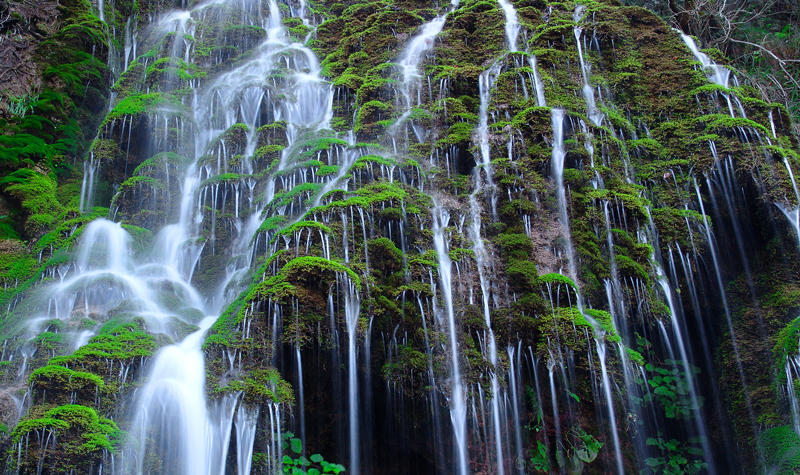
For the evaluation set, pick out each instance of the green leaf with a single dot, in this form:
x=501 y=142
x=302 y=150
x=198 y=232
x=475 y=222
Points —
x=574 y=396
x=297 y=445
x=316 y=458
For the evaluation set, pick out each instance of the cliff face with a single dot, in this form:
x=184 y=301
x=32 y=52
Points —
x=476 y=236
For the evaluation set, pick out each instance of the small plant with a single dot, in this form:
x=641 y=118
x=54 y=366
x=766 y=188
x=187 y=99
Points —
x=298 y=464
x=540 y=461
x=670 y=388
x=676 y=457
x=20 y=106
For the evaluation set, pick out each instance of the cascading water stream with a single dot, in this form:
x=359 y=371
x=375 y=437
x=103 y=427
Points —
x=171 y=412
x=684 y=362
x=594 y=114
x=480 y=184
x=716 y=73
x=351 y=308
x=792 y=214
x=486 y=82
x=558 y=155
x=260 y=177
x=512 y=24
x=537 y=82
x=458 y=408
x=408 y=64
x=792 y=372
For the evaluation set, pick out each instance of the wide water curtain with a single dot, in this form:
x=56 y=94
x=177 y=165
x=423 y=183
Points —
x=396 y=237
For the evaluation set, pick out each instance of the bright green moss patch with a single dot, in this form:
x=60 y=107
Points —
x=138 y=104
x=788 y=343
x=262 y=385
x=120 y=342
x=81 y=439
x=557 y=279
x=308 y=265
x=64 y=379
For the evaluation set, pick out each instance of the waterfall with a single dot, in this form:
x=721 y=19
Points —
x=486 y=82
x=458 y=408
x=537 y=81
x=684 y=362
x=594 y=114
x=719 y=75
x=351 y=307
x=398 y=224
x=480 y=184
x=557 y=167
x=408 y=63
x=716 y=73
x=512 y=24
x=792 y=371
x=172 y=417
x=792 y=214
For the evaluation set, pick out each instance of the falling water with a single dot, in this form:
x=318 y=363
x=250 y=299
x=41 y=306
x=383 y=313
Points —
x=595 y=115
x=537 y=81
x=719 y=75
x=612 y=418
x=558 y=155
x=792 y=214
x=792 y=371
x=486 y=81
x=512 y=24
x=172 y=417
x=716 y=73
x=458 y=408
x=684 y=362
x=351 y=307
x=557 y=166
x=408 y=63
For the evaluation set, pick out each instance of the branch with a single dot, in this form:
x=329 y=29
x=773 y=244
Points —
x=781 y=62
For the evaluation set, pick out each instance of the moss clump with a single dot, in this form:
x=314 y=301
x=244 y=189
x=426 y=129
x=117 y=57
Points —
x=64 y=379
x=303 y=225
x=81 y=439
x=261 y=385
x=122 y=342
x=788 y=343
x=303 y=266
x=557 y=279
x=137 y=104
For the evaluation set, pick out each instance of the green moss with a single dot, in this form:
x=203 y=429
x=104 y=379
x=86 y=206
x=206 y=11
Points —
x=788 y=342
x=303 y=225
x=272 y=223
x=64 y=379
x=459 y=253
x=781 y=446
x=123 y=342
x=82 y=439
x=635 y=356
x=173 y=66
x=716 y=122
x=138 y=104
x=309 y=265
x=557 y=279
x=263 y=385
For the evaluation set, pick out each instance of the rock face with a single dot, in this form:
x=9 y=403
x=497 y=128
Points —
x=410 y=236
